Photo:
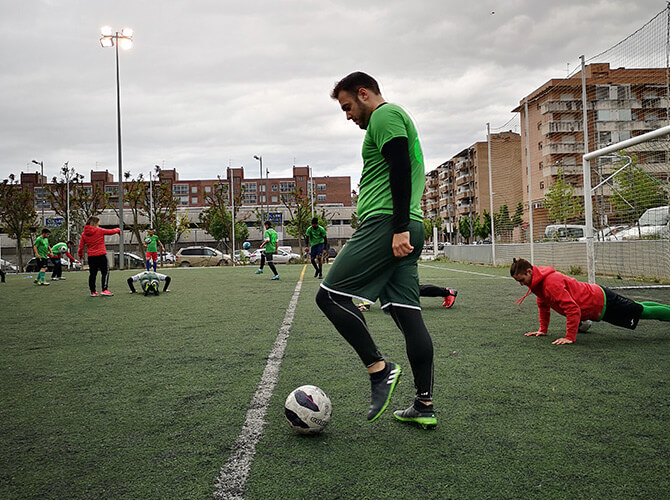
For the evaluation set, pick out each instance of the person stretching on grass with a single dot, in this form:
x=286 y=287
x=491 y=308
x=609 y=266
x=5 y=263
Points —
x=93 y=239
x=270 y=238
x=151 y=243
x=579 y=302
x=42 y=251
x=448 y=294
x=149 y=282
x=380 y=260
x=316 y=241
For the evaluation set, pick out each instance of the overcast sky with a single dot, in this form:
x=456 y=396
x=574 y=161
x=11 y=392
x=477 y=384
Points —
x=210 y=83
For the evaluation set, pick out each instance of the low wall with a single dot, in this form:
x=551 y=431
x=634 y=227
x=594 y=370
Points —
x=648 y=258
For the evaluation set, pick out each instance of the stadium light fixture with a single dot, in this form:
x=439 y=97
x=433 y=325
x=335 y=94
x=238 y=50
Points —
x=123 y=39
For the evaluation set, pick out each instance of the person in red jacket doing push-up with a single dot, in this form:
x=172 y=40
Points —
x=579 y=302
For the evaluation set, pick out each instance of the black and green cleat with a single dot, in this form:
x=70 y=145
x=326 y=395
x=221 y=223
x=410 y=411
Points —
x=423 y=418
x=381 y=391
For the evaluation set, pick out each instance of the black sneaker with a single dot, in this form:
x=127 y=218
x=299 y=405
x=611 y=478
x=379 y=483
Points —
x=316 y=274
x=423 y=418
x=382 y=390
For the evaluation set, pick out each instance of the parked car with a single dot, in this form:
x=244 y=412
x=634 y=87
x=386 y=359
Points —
x=654 y=223
x=131 y=261
x=201 y=256
x=245 y=255
x=281 y=257
x=8 y=267
x=168 y=258
x=33 y=265
x=565 y=232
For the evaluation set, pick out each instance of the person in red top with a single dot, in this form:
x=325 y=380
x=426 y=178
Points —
x=579 y=302
x=93 y=239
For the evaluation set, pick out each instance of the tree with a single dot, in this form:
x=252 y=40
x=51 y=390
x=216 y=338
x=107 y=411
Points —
x=300 y=213
x=217 y=220
x=428 y=228
x=17 y=212
x=503 y=222
x=561 y=202
x=464 y=228
x=517 y=218
x=636 y=190
x=482 y=226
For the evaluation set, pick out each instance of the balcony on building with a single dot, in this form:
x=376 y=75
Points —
x=562 y=126
x=554 y=148
x=554 y=105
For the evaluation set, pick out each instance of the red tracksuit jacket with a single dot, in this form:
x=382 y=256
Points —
x=575 y=300
x=94 y=238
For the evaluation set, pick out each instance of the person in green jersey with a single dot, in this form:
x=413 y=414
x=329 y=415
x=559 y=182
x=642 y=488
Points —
x=42 y=249
x=151 y=243
x=380 y=260
x=316 y=242
x=270 y=238
x=149 y=282
x=58 y=251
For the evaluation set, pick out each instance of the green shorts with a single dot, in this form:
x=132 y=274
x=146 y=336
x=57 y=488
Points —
x=366 y=269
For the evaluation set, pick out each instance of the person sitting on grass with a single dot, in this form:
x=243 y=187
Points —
x=579 y=302
x=448 y=294
x=149 y=282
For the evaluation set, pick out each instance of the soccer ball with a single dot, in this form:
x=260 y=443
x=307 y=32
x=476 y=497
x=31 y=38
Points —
x=246 y=245
x=308 y=409
x=147 y=240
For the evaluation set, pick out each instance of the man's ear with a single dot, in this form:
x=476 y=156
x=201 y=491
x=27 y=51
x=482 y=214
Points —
x=363 y=94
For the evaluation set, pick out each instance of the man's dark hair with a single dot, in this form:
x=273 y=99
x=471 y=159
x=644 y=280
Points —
x=315 y=220
x=268 y=223
x=519 y=266
x=353 y=82
x=46 y=231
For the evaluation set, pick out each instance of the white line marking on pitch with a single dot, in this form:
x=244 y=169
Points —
x=466 y=272
x=232 y=480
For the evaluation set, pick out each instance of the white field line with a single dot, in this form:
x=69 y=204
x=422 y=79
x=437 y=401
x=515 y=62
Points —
x=466 y=272
x=232 y=480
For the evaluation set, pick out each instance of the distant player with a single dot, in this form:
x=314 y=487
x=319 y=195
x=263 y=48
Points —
x=316 y=241
x=41 y=249
x=579 y=302
x=270 y=238
x=448 y=294
x=93 y=241
x=58 y=251
x=151 y=243
x=2 y=275
x=149 y=282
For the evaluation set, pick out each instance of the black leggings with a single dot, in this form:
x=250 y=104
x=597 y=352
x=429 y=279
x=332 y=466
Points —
x=271 y=265
x=95 y=264
x=58 y=268
x=433 y=291
x=349 y=321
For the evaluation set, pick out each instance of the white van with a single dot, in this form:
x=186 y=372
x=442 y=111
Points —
x=654 y=223
x=565 y=232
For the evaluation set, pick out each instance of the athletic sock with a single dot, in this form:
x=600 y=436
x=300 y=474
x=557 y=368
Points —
x=40 y=276
x=654 y=310
x=381 y=374
x=148 y=264
x=154 y=266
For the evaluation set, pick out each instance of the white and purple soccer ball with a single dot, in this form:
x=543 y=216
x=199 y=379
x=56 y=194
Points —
x=308 y=409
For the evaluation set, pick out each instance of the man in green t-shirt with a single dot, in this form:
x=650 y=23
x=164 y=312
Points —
x=380 y=260
x=42 y=249
x=151 y=243
x=58 y=251
x=270 y=238
x=316 y=241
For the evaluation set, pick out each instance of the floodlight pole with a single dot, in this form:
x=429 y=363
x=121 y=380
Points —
x=41 y=164
x=260 y=182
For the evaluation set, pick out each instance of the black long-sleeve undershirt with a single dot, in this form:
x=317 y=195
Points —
x=396 y=154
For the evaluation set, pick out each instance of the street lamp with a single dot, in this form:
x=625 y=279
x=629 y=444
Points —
x=68 y=174
x=260 y=182
x=41 y=164
x=110 y=38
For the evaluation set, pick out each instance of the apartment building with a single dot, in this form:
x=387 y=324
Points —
x=459 y=187
x=333 y=191
x=621 y=103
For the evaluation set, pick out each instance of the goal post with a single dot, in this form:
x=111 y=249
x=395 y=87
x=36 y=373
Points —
x=647 y=238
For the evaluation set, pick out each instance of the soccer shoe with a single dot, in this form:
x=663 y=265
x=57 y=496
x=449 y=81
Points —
x=316 y=274
x=107 y=293
x=54 y=279
x=450 y=299
x=363 y=306
x=275 y=277
x=584 y=326
x=259 y=271
x=61 y=278
x=425 y=419
x=320 y=276
x=381 y=391
x=95 y=294
x=44 y=283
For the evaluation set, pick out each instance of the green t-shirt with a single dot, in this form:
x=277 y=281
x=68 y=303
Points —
x=315 y=236
x=271 y=237
x=387 y=122
x=56 y=249
x=42 y=245
x=152 y=243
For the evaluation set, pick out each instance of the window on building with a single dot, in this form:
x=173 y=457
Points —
x=300 y=178
x=320 y=187
x=180 y=189
x=182 y=200
x=274 y=199
x=320 y=197
x=249 y=198
x=112 y=190
x=274 y=188
x=541 y=165
x=194 y=189
x=286 y=187
x=603 y=115
x=208 y=189
x=541 y=184
x=539 y=145
x=249 y=187
x=602 y=92
x=625 y=115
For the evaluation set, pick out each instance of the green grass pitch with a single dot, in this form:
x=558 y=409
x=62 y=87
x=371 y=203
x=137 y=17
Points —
x=133 y=397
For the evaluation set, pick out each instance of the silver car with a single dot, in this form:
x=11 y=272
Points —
x=281 y=257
